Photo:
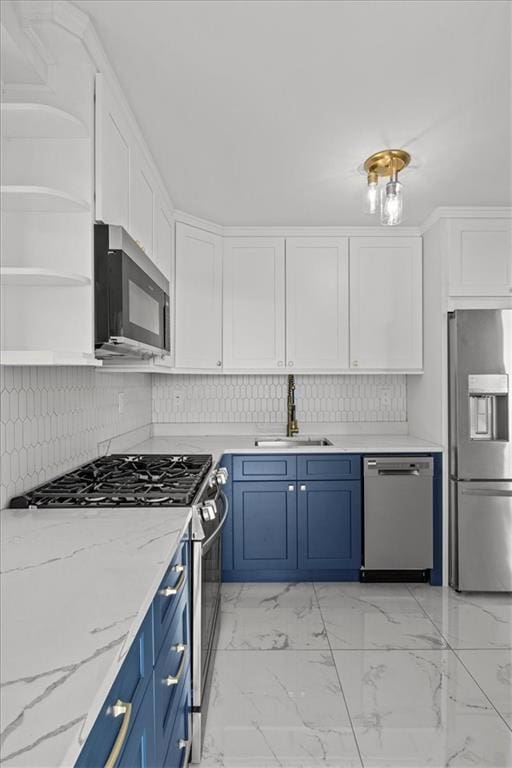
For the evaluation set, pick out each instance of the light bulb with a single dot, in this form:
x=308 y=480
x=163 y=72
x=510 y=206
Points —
x=392 y=204
x=371 y=200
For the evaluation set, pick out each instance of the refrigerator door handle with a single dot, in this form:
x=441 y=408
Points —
x=485 y=492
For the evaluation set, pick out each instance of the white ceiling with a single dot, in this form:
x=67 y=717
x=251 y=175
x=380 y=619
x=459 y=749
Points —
x=263 y=111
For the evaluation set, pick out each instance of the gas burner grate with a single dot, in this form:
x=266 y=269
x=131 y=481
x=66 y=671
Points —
x=119 y=480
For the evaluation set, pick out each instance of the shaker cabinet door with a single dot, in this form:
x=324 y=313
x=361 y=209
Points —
x=317 y=303
x=112 y=158
x=480 y=254
x=254 y=295
x=329 y=524
x=142 y=202
x=264 y=526
x=198 y=337
x=386 y=309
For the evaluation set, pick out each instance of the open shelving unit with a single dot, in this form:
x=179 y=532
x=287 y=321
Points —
x=46 y=357
x=32 y=276
x=28 y=120
x=20 y=198
x=46 y=276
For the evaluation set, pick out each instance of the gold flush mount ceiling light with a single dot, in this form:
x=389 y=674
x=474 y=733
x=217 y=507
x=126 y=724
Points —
x=388 y=163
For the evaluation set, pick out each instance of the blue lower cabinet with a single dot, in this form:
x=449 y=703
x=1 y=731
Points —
x=329 y=524
x=129 y=688
x=264 y=525
x=179 y=745
x=139 y=748
x=172 y=671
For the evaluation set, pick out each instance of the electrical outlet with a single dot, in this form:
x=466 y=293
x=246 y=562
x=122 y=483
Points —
x=121 y=401
x=385 y=397
x=178 y=398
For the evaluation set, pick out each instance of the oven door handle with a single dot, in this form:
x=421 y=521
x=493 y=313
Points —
x=205 y=545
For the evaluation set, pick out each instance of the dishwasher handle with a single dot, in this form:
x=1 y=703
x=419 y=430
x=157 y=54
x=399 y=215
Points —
x=399 y=472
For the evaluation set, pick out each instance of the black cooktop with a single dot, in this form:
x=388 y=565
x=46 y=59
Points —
x=123 y=480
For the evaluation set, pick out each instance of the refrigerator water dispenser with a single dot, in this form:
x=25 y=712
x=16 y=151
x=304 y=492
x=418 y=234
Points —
x=488 y=406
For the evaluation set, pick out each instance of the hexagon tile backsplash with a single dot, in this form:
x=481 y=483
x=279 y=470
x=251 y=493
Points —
x=188 y=399
x=52 y=419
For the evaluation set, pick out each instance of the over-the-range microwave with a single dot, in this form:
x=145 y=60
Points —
x=131 y=298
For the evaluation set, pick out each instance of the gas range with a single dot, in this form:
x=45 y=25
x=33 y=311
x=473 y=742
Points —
x=123 y=480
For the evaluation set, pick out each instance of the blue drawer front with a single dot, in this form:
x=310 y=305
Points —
x=139 y=750
x=264 y=525
x=335 y=466
x=276 y=467
x=164 y=605
x=180 y=737
x=129 y=686
x=174 y=663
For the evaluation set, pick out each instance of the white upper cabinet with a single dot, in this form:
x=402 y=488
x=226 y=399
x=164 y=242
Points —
x=386 y=303
x=317 y=304
x=142 y=202
x=163 y=236
x=254 y=303
x=112 y=159
x=480 y=257
x=198 y=335
x=128 y=189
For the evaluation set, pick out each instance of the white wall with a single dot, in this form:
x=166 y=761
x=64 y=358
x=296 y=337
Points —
x=52 y=419
x=250 y=399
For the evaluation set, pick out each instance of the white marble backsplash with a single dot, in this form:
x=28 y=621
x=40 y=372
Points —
x=251 y=399
x=53 y=418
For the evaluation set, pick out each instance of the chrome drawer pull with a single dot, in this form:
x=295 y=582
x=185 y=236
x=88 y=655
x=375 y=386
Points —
x=174 y=679
x=119 y=708
x=167 y=591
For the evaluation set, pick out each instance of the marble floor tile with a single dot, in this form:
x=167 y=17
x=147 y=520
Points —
x=492 y=670
x=412 y=709
x=278 y=708
x=359 y=616
x=271 y=617
x=469 y=619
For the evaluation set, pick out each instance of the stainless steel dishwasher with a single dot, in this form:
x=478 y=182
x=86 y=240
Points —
x=398 y=513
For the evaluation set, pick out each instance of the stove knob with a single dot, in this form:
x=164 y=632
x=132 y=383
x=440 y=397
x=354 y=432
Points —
x=209 y=511
x=222 y=476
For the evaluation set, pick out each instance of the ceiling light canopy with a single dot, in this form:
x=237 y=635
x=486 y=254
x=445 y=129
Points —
x=387 y=162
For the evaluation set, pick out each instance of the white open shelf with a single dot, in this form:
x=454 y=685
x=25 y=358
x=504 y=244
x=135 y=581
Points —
x=36 y=276
x=46 y=357
x=39 y=121
x=43 y=199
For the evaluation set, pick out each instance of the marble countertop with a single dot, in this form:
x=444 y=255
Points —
x=76 y=585
x=217 y=445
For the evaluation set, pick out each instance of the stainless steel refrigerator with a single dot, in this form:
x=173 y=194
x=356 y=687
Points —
x=480 y=434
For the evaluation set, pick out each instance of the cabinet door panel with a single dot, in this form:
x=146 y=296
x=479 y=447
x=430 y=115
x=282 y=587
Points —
x=329 y=516
x=163 y=250
x=112 y=157
x=198 y=299
x=317 y=302
x=142 y=203
x=480 y=257
x=264 y=525
x=386 y=303
x=254 y=315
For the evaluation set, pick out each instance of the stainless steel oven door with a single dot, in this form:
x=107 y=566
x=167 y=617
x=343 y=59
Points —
x=207 y=564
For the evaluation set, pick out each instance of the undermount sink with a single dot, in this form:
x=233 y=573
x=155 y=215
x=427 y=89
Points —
x=292 y=442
